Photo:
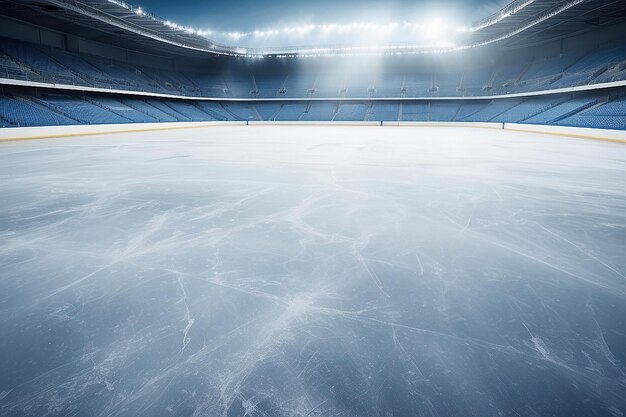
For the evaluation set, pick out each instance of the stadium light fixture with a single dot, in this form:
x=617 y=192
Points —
x=434 y=28
x=236 y=35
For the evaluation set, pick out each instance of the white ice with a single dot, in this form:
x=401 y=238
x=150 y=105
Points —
x=301 y=271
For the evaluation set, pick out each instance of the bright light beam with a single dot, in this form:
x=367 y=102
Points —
x=434 y=28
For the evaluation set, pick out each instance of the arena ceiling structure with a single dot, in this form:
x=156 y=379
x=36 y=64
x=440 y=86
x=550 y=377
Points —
x=521 y=23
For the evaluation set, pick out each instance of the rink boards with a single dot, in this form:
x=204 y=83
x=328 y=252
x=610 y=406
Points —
x=44 y=132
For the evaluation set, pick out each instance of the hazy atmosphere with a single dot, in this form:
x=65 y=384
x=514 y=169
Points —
x=279 y=23
x=312 y=209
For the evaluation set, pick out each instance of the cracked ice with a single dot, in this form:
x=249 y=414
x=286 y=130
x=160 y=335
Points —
x=301 y=271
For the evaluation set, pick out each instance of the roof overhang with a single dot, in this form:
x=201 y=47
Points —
x=521 y=23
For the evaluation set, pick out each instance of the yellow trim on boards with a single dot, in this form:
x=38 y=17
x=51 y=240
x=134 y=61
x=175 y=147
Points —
x=446 y=125
x=365 y=123
x=569 y=135
x=110 y=132
x=511 y=129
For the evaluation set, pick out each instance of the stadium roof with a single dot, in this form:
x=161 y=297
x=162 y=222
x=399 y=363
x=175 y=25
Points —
x=115 y=22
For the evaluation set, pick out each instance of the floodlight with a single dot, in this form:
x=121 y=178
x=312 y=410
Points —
x=434 y=28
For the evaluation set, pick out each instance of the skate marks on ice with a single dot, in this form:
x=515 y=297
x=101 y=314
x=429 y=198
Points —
x=313 y=271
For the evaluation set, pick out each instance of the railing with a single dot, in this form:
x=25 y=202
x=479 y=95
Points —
x=511 y=8
x=151 y=86
x=143 y=24
x=197 y=42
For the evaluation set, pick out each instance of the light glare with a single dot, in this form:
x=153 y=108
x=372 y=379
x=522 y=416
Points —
x=434 y=28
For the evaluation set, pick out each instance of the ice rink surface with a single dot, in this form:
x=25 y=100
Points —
x=313 y=271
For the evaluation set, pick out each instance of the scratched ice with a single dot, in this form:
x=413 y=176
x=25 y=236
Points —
x=300 y=271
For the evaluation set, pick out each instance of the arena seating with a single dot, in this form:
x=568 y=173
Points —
x=119 y=108
x=415 y=85
x=22 y=60
x=189 y=110
x=211 y=85
x=19 y=112
x=350 y=112
x=595 y=110
x=268 y=111
x=5 y=123
x=414 y=112
x=384 y=111
x=300 y=85
x=290 y=112
x=527 y=109
x=562 y=110
x=83 y=111
x=388 y=85
x=616 y=107
x=269 y=85
x=488 y=113
x=215 y=110
x=609 y=115
x=164 y=107
x=240 y=111
x=443 y=112
x=361 y=91
x=318 y=111
x=38 y=62
x=541 y=69
x=150 y=110
x=9 y=68
x=469 y=108
x=237 y=85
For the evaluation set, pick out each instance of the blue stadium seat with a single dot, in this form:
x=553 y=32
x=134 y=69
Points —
x=27 y=61
x=443 y=112
x=592 y=121
x=562 y=110
x=215 y=110
x=19 y=112
x=83 y=111
x=188 y=110
x=290 y=111
x=268 y=110
x=239 y=85
x=29 y=55
x=210 y=85
x=527 y=109
x=299 y=85
x=241 y=111
x=388 y=85
x=318 y=111
x=150 y=110
x=164 y=107
x=416 y=84
x=415 y=112
x=384 y=112
x=119 y=108
x=487 y=113
x=350 y=112
x=543 y=68
x=616 y=107
x=269 y=85
x=469 y=108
